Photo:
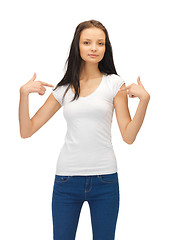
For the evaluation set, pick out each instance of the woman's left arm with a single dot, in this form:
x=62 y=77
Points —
x=132 y=127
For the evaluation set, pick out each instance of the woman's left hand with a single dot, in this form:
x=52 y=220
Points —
x=135 y=90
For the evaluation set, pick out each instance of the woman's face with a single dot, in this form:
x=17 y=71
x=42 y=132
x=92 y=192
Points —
x=92 y=44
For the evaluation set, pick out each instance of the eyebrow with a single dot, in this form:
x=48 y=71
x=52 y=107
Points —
x=90 y=39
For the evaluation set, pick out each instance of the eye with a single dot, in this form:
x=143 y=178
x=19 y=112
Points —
x=85 y=42
x=101 y=43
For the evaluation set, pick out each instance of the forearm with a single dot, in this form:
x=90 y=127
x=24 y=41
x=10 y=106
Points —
x=24 y=119
x=134 y=126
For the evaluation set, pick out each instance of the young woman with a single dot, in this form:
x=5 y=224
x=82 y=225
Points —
x=86 y=166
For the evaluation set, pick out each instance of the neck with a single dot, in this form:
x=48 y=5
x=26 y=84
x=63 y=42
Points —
x=89 y=70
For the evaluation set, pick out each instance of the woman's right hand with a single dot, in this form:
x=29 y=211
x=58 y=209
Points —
x=34 y=86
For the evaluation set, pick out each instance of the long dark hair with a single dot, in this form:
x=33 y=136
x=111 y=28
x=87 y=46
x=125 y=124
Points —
x=73 y=62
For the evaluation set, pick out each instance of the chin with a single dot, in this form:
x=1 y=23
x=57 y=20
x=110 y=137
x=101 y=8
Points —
x=93 y=60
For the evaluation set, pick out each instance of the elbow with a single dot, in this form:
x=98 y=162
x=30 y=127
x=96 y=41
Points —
x=22 y=136
x=26 y=131
x=25 y=135
x=129 y=140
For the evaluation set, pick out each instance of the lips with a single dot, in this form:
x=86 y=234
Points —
x=93 y=55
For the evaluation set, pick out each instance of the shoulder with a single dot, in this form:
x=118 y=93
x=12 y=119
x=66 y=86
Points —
x=114 y=79
x=115 y=82
x=58 y=92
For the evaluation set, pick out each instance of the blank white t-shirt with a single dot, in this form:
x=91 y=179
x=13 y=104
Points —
x=87 y=149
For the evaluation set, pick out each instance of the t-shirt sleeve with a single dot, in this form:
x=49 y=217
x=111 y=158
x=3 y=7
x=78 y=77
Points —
x=58 y=94
x=116 y=84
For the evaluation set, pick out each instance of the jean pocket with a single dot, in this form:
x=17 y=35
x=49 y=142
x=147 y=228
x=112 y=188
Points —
x=61 y=179
x=109 y=178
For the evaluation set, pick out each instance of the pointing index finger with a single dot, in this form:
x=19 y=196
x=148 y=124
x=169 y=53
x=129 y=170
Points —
x=123 y=89
x=47 y=84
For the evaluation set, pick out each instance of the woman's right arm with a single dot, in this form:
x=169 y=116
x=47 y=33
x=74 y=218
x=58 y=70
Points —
x=29 y=126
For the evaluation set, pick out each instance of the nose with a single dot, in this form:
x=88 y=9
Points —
x=93 y=47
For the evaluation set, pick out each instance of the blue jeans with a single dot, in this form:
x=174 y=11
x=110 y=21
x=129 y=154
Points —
x=70 y=192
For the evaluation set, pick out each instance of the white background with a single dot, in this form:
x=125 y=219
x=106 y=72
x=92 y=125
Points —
x=36 y=37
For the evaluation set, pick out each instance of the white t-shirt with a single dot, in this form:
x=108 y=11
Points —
x=87 y=149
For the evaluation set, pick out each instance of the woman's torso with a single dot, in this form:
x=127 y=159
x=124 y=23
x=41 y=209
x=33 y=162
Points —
x=87 y=149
